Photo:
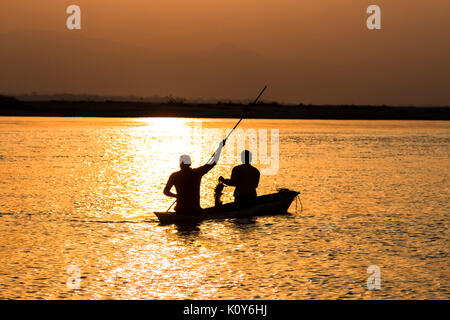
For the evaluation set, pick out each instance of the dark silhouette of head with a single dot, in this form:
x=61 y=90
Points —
x=246 y=157
x=185 y=162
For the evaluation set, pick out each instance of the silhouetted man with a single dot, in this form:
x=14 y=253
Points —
x=245 y=178
x=187 y=183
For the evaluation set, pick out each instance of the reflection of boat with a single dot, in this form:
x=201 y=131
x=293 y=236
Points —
x=270 y=204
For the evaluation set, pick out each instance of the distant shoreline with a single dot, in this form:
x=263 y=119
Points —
x=14 y=107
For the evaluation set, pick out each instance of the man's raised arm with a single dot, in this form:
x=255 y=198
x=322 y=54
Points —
x=216 y=157
x=213 y=161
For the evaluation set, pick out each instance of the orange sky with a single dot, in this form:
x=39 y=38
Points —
x=306 y=51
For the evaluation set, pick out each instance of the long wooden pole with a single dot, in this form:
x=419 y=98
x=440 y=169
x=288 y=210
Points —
x=234 y=128
x=254 y=102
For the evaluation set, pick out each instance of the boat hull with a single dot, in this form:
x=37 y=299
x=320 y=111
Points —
x=271 y=204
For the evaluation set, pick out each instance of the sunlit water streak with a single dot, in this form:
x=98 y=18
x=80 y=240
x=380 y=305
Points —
x=81 y=191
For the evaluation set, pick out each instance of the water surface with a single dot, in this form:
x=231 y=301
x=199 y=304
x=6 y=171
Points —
x=82 y=191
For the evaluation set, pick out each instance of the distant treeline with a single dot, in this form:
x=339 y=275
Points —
x=14 y=107
x=129 y=98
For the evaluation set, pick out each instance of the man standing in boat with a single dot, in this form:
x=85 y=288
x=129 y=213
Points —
x=187 y=183
x=245 y=178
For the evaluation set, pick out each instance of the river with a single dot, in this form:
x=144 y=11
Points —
x=78 y=194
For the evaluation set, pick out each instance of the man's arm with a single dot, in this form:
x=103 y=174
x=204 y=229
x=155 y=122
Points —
x=216 y=157
x=230 y=182
x=212 y=163
x=169 y=185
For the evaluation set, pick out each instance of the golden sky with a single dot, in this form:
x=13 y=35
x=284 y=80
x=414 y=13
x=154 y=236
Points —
x=306 y=51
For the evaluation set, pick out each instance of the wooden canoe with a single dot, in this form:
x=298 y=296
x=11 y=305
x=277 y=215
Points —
x=270 y=204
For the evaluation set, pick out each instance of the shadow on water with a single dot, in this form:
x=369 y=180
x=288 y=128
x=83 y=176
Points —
x=186 y=234
x=6 y=214
x=243 y=223
x=187 y=230
x=114 y=221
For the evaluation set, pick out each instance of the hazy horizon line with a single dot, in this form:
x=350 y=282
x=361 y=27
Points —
x=156 y=98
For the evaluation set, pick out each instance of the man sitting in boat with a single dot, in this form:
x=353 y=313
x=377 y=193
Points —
x=245 y=178
x=187 y=183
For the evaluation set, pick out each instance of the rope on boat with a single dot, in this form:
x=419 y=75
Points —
x=297 y=198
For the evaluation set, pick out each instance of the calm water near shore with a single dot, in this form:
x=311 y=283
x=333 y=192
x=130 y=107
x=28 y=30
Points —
x=81 y=192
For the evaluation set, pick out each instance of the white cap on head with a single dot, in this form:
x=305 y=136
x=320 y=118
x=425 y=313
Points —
x=185 y=159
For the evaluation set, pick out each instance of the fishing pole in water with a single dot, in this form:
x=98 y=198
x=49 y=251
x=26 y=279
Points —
x=232 y=130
